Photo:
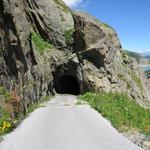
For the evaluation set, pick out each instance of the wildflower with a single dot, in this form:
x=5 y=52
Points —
x=5 y=125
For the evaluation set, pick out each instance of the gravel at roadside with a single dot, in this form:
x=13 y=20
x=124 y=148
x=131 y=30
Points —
x=139 y=139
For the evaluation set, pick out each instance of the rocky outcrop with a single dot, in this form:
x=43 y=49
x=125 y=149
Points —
x=23 y=69
x=43 y=41
x=105 y=66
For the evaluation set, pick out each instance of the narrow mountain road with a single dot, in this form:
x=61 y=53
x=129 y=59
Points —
x=62 y=125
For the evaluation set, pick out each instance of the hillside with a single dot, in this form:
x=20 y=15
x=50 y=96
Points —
x=142 y=59
x=147 y=57
x=46 y=48
x=147 y=54
x=135 y=55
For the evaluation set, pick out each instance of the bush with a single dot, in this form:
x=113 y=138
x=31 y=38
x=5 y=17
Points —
x=124 y=113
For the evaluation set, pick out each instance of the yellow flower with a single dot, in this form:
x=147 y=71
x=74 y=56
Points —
x=5 y=125
x=8 y=124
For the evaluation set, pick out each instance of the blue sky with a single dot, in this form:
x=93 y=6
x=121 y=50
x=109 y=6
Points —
x=130 y=18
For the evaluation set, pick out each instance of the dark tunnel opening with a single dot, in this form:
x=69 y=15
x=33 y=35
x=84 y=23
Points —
x=67 y=84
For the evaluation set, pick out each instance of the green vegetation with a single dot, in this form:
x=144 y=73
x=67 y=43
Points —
x=6 y=122
x=124 y=113
x=136 y=79
x=62 y=5
x=69 y=35
x=5 y=95
x=34 y=106
x=125 y=80
x=108 y=26
x=40 y=44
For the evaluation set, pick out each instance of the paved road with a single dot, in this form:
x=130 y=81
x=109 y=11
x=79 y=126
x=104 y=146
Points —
x=62 y=125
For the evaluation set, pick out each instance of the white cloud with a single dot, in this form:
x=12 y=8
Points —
x=72 y=3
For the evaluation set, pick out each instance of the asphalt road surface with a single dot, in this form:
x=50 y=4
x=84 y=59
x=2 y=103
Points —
x=62 y=125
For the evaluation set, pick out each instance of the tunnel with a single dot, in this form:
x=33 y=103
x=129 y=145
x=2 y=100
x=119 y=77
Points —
x=67 y=84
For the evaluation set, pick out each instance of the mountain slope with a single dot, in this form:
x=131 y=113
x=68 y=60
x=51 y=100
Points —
x=46 y=48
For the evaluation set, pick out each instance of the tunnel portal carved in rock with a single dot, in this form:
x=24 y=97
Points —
x=67 y=78
x=67 y=84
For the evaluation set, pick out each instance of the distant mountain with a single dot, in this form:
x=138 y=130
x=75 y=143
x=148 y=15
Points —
x=135 y=55
x=146 y=55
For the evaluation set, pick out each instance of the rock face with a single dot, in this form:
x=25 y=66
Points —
x=105 y=67
x=46 y=48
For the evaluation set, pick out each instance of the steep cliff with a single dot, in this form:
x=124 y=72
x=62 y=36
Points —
x=46 y=48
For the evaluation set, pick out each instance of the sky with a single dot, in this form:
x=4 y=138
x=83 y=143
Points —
x=130 y=18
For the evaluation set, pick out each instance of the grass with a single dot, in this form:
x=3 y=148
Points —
x=108 y=26
x=69 y=35
x=7 y=111
x=5 y=94
x=124 y=113
x=136 y=79
x=125 y=80
x=40 y=43
x=34 y=106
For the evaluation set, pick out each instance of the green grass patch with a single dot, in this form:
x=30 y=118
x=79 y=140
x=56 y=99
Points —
x=125 y=80
x=5 y=95
x=69 y=35
x=124 y=113
x=136 y=79
x=39 y=104
x=108 y=26
x=40 y=43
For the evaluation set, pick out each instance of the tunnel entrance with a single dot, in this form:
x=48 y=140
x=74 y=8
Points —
x=67 y=84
